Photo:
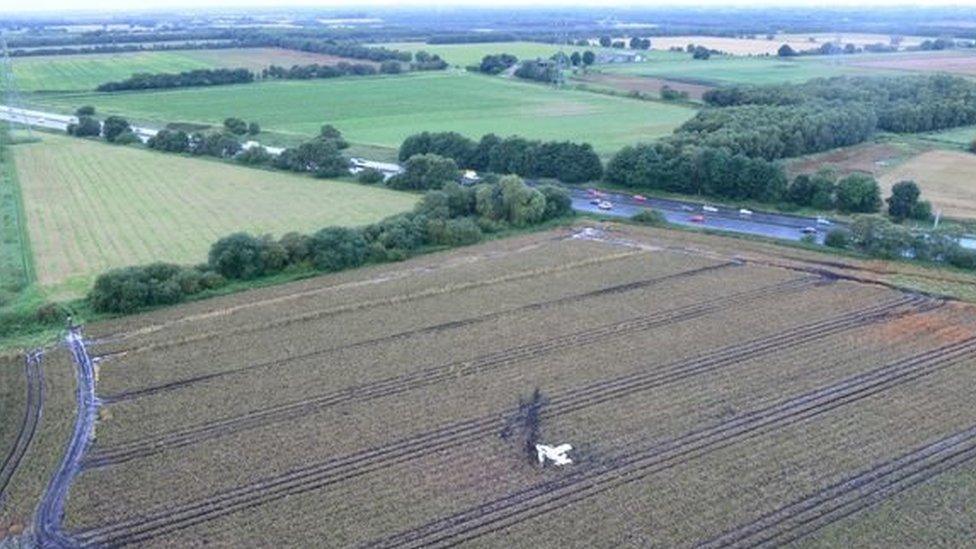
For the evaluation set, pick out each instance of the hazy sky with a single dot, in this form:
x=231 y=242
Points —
x=128 y=5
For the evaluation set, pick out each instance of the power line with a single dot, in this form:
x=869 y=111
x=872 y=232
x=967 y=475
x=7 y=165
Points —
x=9 y=88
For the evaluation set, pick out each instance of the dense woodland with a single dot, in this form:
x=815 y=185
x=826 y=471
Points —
x=568 y=162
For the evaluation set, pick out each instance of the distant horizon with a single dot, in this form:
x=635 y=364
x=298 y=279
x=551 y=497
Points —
x=114 y=7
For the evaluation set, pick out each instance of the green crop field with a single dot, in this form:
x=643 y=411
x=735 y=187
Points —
x=84 y=72
x=471 y=54
x=92 y=206
x=383 y=110
x=720 y=70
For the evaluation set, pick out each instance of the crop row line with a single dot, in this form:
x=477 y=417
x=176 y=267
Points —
x=373 y=303
x=426 y=377
x=455 y=324
x=32 y=417
x=332 y=471
x=850 y=495
x=545 y=497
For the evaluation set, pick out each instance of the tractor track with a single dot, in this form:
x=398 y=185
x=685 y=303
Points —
x=546 y=497
x=851 y=495
x=455 y=324
x=452 y=435
x=32 y=417
x=357 y=306
x=426 y=377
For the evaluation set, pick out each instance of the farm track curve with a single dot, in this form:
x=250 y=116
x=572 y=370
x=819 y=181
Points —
x=32 y=417
x=602 y=292
x=850 y=495
x=543 y=498
x=335 y=470
x=430 y=376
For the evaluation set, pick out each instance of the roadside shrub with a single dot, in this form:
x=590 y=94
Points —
x=837 y=238
x=370 y=176
x=558 y=202
x=338 y=248
x=858 y=193
x=51 y=313
x=254 y=156
x=424 y=171
x=85 y=110
x=127 y=137
x=453 y=232
x=244 y=256
x=86 y=126
x=297 y=247
x=972 y=146
x=962 y=258
x=650 y=217
x=113 y=127
x=132 y=288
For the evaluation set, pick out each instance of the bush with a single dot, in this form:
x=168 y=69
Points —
x=114 y=126
x=132 y=288
x=85 y=127
x=558 y=202
x=453 y=232
x=425 y=171
x=243 y=256
x=127 y=137
x=338 y=248
x=235 y=126
x=253 y=128
x=254 y=156
x=962 y=258
x=651 y=217
x=370 y=176
x=972 y=146
x=858 y=193
x=837 y=238
x=86 y=110
x=51 y=313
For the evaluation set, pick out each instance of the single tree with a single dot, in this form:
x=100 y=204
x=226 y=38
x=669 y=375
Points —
x=786 y=51
x=605 y=41
x=575 y=59
x=589 y=58
x=113 y=127
x=858 y=193
x=253 y=128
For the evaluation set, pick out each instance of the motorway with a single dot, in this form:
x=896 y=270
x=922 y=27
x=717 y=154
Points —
x=787 y=227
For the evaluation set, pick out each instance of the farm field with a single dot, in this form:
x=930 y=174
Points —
x=463 y=55
x=731 y=46
x=960 y=62
x=91 y=206
x=85 y=72
x=875 y=158
x=945 y=178
x=641 y=84
x=382 y=111
x=689 y=372
x=723 y=70
x=958 y=136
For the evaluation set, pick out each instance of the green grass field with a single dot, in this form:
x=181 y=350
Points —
x=85 y=72
x=383 y=110
x=722 y=70
x=92 y=206
x=957 y=136
x=61 y=73
x=471 y=54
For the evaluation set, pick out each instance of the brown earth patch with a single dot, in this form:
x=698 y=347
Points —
x=643 y=84
x=963 y=63
x=872 y=158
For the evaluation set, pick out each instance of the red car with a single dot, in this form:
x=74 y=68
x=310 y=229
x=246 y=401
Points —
x=697 y=218
x=640 y=198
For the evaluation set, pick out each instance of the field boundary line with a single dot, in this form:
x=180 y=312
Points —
x=316 y=476
x=540 y=305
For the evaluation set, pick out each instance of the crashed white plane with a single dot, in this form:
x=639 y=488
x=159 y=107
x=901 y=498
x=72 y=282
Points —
x=557 y=454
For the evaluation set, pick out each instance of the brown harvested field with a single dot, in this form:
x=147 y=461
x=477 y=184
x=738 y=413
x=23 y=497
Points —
x=256 y=59
x=732 y=46
x=644 y=85
x=870 y=158
x=705 y=383
x=956 y=62
x=946 y=178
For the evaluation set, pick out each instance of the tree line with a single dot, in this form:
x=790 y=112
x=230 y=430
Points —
x=568 y=162
x=197 y=77
x=452 y=216
x=314 y=70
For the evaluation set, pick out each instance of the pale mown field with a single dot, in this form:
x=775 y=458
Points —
x=92 y=206
x=947 y=179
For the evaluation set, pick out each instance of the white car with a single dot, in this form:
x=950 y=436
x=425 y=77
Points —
x=743 y=211
x=823 y=221
x=707 y=208
x=605 y=205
